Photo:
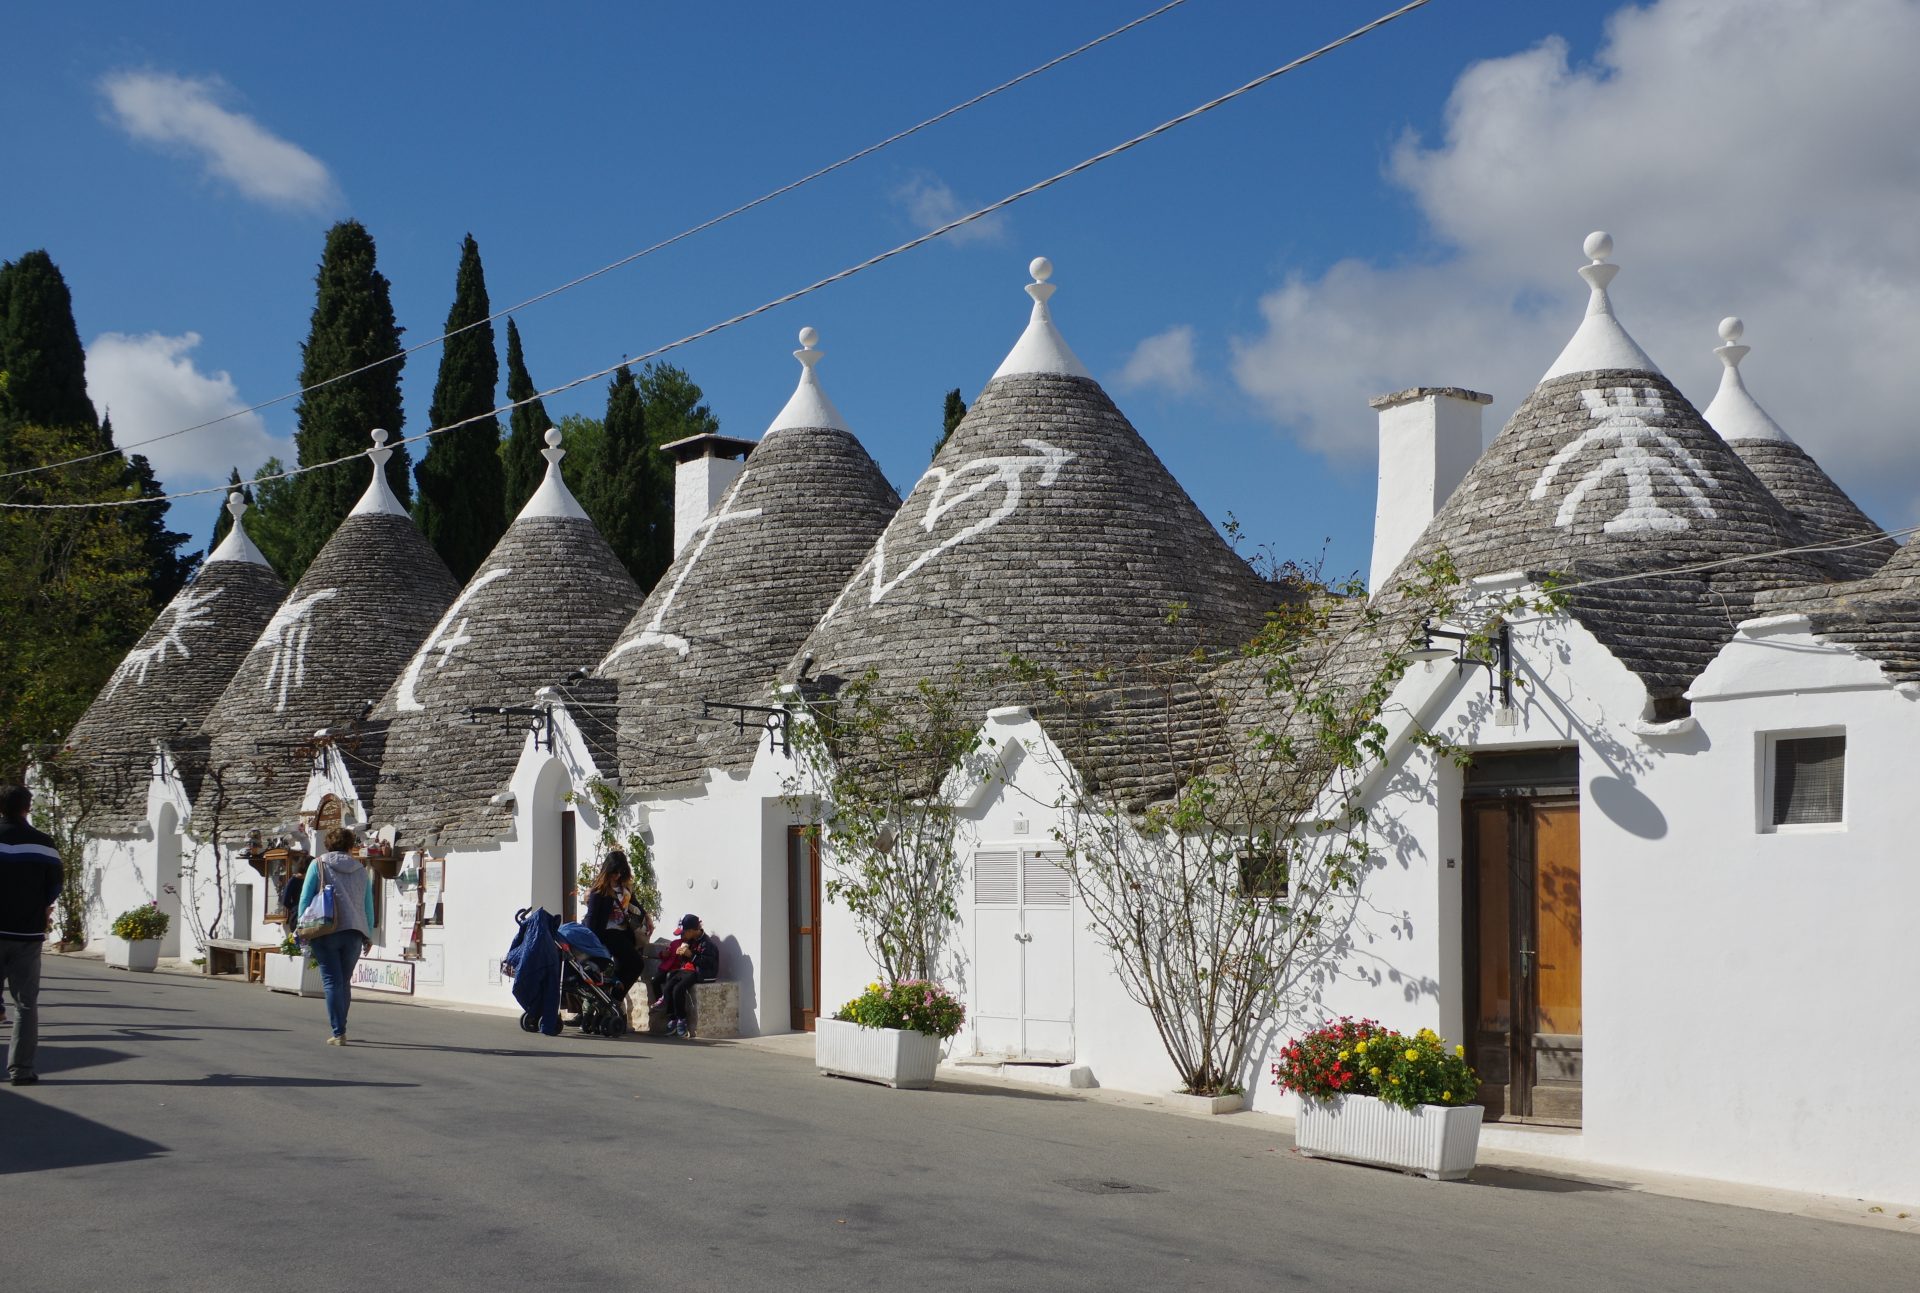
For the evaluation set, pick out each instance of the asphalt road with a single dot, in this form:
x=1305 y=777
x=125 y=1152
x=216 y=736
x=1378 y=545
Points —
x=189 y=1135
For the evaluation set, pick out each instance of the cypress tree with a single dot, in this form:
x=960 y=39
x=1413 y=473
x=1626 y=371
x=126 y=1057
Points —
x=40 y=351
x=462 y=507
x=168 y=571
x=520 y=454
x=675 y=408
x=950 y=416
x=616 y=496
x=353 y=325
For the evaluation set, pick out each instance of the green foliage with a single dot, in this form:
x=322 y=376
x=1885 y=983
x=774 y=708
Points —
x=629 y=483
x=1359 y=1057
x=74 y=588
x=950 y=415
x=584 y=440
x=527 y=428
x=66 y=798
x=353 y=325
x=918 y=1005
x=141 y=922
x=41 y=354
x=609 y=806
x=881 y=774
x=223 y=519
x=462 y=500
x=274 y=521
x=168 y=570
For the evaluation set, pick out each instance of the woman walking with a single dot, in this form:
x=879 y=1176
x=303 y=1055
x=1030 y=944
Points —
x=338 y=952
x=623 y=925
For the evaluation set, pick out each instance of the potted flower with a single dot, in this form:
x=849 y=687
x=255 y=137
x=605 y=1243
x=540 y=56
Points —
x=290 y=969
x=133 y=943
x=890 y=1034
x=1371 y=1095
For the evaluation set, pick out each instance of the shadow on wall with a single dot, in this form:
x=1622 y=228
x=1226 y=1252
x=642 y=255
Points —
x=737 y=966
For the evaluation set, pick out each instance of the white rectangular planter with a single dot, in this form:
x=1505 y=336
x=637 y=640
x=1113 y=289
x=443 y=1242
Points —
x=1431 y=1140
x=295 y=974
x=894 y=1056
x=139 y=954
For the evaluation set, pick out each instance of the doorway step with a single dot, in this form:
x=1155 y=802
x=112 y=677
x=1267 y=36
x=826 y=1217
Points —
x=1076 y=1077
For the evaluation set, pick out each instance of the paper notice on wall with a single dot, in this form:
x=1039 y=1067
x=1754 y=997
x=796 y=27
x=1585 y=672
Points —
x=436 y=879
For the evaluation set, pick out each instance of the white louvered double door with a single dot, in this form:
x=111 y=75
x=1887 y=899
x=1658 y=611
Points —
x=1023 y=954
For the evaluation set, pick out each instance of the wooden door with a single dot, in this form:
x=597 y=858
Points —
x=803 y=926
x=569 y=870
x=1523 y=953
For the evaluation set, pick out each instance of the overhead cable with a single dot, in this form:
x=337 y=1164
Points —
x=758 y=310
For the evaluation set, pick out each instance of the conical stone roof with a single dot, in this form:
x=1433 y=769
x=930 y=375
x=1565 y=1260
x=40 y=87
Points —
x=1046 y=528
x=1609 y=473
x=168 y=683
x=549 y=599
x=746 y=588
x=1817 y=505
x=330 y=650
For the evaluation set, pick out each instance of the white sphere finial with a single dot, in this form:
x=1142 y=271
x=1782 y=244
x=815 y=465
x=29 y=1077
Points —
x=1731 y=329
x=1599 y=245
x=553 y=437
x=379 y=437
x=1041 y=269
x=236 y=499
x=809 y=338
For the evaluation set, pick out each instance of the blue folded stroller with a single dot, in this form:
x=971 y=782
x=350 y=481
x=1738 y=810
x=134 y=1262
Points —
x=563 y=966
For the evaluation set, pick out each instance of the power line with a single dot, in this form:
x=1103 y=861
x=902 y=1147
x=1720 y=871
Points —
x=624 y=261
x=911 y=244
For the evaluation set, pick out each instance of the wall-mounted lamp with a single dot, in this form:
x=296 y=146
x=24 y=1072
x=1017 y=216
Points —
x=1499 y=667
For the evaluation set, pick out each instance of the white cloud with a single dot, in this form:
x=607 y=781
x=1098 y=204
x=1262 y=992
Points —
x=1753 y=159
x=182 y=113
x=1163 y=362
x=150 y=386
x=929 y=203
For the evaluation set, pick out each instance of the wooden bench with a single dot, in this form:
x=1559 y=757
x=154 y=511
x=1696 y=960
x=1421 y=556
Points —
x=237 y=956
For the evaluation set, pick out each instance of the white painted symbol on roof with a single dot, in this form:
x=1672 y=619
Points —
x=286 y=636
x=652 y=635
x=1640 y=453
x=188 y=611
x=978 y=476
x=446 y=643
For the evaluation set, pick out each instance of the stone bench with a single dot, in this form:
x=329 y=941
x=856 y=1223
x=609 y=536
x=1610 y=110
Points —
x=236 y=956
x=716 y=1011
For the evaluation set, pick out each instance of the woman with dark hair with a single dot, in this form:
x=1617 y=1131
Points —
x=622 y=924
x=338 y=952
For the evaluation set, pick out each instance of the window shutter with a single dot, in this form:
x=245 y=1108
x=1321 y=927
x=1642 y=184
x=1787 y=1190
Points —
x=1048 y=882
x=996 y=877
x=1809 y=779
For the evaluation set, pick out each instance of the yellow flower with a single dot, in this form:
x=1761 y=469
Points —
x=1396 y=1081
x=1360 y=1047
x=1343 y=1055
x=1461 y=1051
x=1412 y=1054
x=1446 y=1095
x=1375 y=1071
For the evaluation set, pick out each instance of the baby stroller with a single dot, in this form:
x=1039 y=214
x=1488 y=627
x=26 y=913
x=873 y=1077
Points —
x=582 y=968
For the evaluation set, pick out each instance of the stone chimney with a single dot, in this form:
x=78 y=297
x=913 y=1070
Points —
x=1429 y=438
x=707 y=464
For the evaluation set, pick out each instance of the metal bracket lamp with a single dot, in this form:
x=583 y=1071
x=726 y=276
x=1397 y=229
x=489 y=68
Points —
x=774 y=720
x=1499 y=665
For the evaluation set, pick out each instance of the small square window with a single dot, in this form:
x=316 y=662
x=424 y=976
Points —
x=1263 y=873
x=1809 y=780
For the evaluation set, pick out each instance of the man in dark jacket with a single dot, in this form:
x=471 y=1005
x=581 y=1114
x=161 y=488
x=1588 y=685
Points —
x=29 y=886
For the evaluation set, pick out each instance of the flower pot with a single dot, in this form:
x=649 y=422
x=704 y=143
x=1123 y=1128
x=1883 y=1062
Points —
x=137 y=954
x=894 y=1057
x=1431 y=1140
x=295 y=974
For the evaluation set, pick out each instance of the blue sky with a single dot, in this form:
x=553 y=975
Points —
x=1240 y=285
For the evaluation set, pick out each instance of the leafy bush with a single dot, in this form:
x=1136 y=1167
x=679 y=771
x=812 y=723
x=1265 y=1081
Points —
x=917 y=1004
x=142 y=922
x=1359 y=1057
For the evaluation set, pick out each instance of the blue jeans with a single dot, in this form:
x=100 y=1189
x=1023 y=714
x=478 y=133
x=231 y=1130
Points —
x=336 y=954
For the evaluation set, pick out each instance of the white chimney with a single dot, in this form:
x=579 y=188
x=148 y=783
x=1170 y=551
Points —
x=707 y=464
x=1429 y=438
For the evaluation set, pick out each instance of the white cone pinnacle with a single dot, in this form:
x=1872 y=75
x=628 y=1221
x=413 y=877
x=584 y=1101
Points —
x=237 y=546
x=809 y=405
x=553 y=498
x=1041 y=348
x=379 y=499
x=1734 y=413
x=1600 y=342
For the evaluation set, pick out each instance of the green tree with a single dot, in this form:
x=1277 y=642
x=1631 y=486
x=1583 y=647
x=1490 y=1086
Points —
x=584 y=439
x=617 y=493
x=274 y=522
x=527 y=429
x=950 y=416
x=41 y=354
x=73 y=586
x=673 y=408
x=167 y=569
x=353 y=325
x=462 y=481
